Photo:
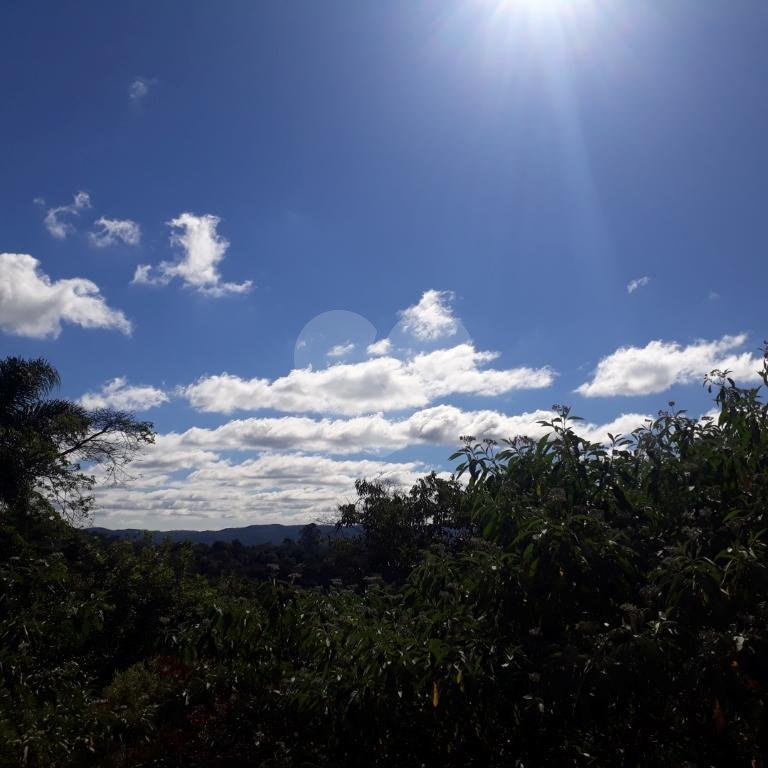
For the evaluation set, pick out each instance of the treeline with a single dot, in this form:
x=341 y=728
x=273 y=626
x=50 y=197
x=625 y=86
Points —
x=570 y=604
x=314 y=559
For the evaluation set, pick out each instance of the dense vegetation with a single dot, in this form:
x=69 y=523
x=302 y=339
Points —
x=572 y=604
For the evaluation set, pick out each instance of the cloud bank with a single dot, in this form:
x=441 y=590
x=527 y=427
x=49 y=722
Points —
x=379 y=384
x=186 y=479
x=270 y=488
x=441 y=425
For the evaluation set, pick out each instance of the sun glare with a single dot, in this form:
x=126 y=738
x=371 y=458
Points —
x=541 y=11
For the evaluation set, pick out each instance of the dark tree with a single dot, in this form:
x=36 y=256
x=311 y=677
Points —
x=310 y=537
x=48 y=444
x=396 y=525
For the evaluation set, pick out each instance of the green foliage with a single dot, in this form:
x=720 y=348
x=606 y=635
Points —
x=571 y=604
x=44 y=440
x=396 y=526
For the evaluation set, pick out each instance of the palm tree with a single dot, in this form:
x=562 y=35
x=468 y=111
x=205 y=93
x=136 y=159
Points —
x=44 y=439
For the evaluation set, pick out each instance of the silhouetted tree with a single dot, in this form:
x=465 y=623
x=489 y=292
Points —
x=45 y=441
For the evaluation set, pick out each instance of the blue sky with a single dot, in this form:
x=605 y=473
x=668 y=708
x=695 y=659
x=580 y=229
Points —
x=459 y=178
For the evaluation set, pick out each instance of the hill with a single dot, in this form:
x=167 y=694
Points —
x=249 y=535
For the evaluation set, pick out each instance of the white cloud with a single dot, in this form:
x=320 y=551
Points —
x=432 y=318
x=184 y=476
x=659 y=365
x=114 y=230
x=143 y=275
x=639 y=282
x=621 y=425
x=439 y=425
x=340 y=350
x=380 y=384
x=31 y=304
x=379 y=348
x=280 y=488
x=139 y=88
x=119 y=394
x=56 y=218
x=203 y=249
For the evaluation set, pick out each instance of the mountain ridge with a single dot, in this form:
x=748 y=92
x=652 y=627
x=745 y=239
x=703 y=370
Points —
x=249 y=535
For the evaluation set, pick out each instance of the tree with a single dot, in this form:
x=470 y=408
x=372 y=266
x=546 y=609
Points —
x=396 y=525
x=46 y=443
x=310 y=538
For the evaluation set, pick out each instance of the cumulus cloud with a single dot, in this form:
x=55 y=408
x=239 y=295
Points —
x=432 y=318
x=125 y=397
x=659 y=365
x=638 y=282
x=379 y=348
x=439 y=425
x=185 y=475
x=31 y=304
x=624 y=425
x=279 y=488
x=57 y=219
x=378 y=384
x=111 y=231
x=203 y=250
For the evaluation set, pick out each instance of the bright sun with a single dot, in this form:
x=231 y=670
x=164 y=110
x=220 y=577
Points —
x=542 y=9
x=541 y=17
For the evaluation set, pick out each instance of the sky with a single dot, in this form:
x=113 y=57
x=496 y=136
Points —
x=315 y=242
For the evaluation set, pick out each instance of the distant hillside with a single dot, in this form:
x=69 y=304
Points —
x=248 y=535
